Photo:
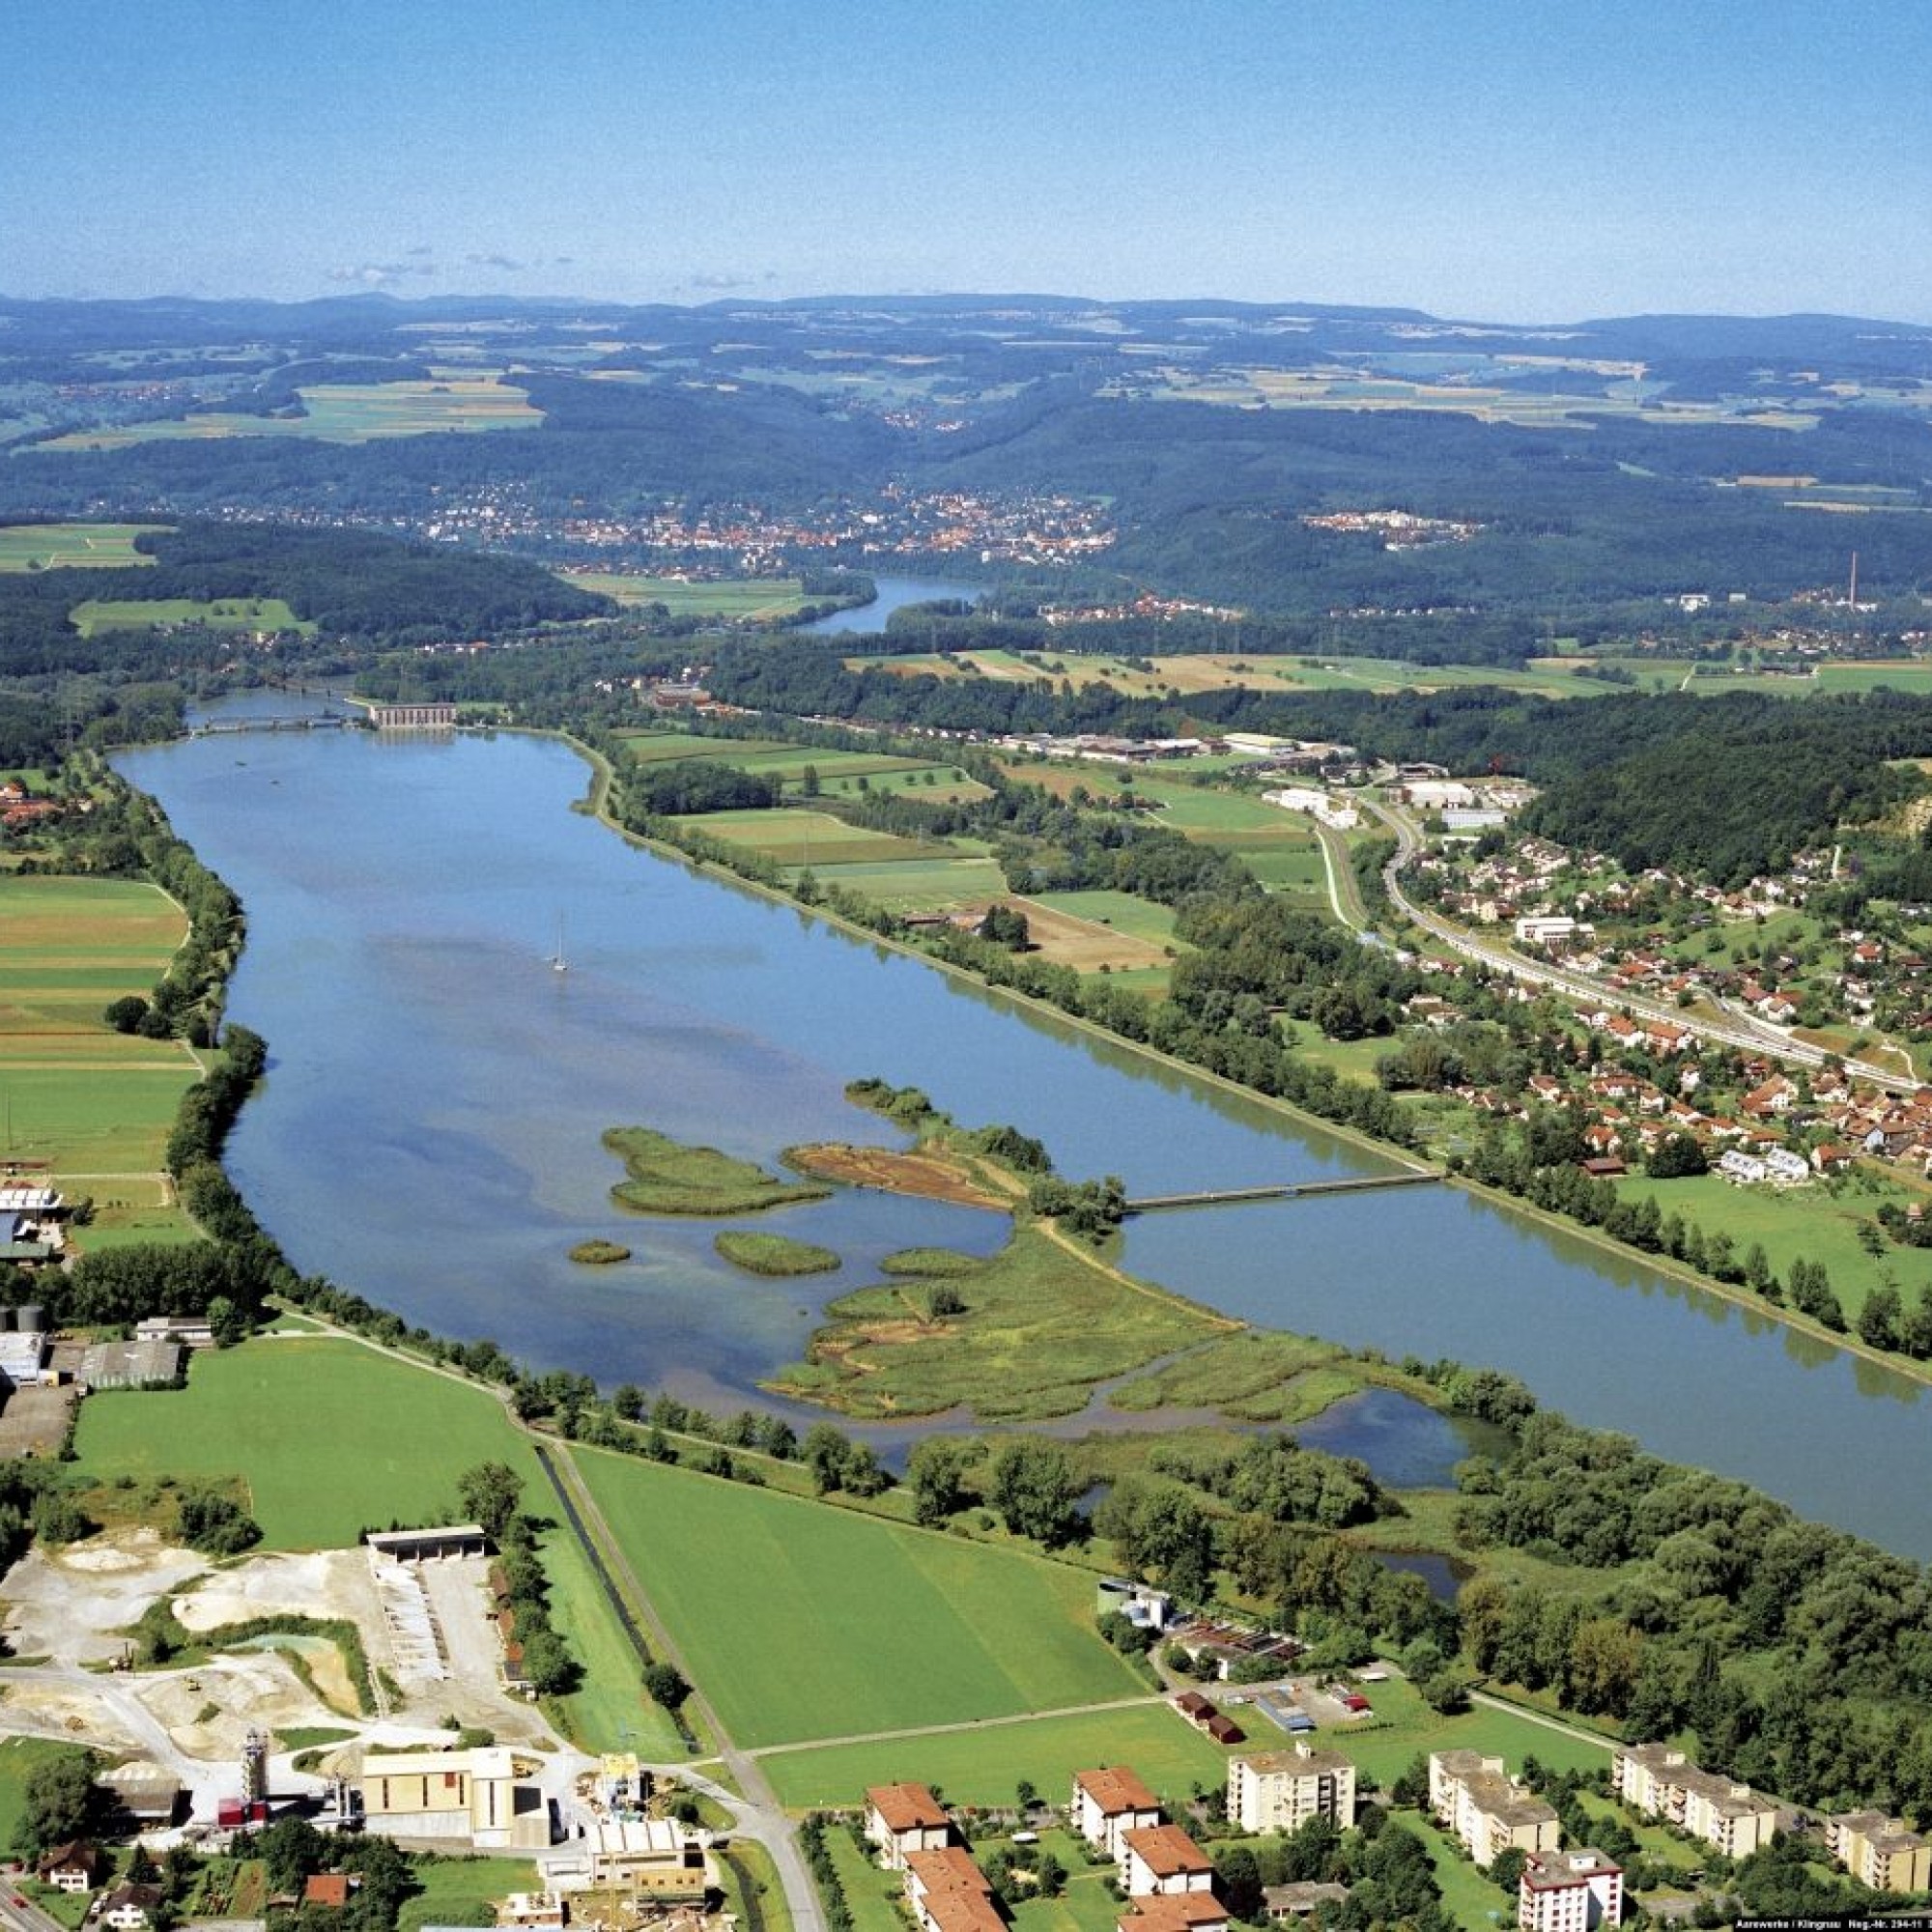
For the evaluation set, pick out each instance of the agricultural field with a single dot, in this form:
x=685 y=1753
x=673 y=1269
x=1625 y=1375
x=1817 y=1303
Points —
x=982 y=1765
x=1279 y=847
x=1066 y=938
x=905 y=874
x=1338 y=386
x=221 y=613
x=797 y=767
x=73 y=545
x=898 y=1628
x=405 y=1434
x=757 y=598
x=344 y=412
x=653 y=748
x=96 y=1104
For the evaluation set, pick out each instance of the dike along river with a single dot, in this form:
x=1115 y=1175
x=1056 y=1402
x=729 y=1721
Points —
x=428 y=1133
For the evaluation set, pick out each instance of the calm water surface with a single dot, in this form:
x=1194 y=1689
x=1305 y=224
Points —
x=894 y=593
x=429 y=1131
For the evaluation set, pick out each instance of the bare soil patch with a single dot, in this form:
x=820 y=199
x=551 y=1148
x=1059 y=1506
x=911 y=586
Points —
x=925 y=1171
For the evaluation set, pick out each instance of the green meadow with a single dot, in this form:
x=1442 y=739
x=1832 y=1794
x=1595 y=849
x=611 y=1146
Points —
x=801 y=1620
x=1040 y=1326
x=1818 y=1222
x=331 y=1436
x=981 y=1765
x=221 y=613
x=73 y=545
x=755 y=597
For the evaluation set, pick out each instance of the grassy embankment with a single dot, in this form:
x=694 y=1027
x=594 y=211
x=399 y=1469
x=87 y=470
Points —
x=94 y=1105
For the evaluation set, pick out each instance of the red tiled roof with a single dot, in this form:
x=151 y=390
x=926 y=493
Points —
x=906 y=1807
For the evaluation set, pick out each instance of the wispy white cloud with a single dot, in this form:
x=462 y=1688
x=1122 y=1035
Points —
x=379 y=275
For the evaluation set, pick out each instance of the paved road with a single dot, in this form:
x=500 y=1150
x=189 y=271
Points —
x=1752 y=1036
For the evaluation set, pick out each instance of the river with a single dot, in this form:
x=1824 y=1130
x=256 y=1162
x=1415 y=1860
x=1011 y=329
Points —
x=894 y=594
x=428 y=1132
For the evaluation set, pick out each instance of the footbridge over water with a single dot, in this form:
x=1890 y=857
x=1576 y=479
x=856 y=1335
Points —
x=1286 y=1190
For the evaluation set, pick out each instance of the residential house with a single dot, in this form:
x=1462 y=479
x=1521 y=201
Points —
x=70 y=1867
x=1569 y=1891
x=1663 y=1783
x=1175 y=1912
x=1109 y=1803
x=902 y=1819
x=1280 y=1791
x=1471 y=1796
x=1163 y=1859
x=947 y=1893
x=130 y=1908
x=1880 y=1851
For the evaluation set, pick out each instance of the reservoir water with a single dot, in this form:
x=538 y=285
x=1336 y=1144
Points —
x=428 y=1133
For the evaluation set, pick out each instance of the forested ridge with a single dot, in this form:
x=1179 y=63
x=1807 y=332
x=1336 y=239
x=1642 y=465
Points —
x=354 y=585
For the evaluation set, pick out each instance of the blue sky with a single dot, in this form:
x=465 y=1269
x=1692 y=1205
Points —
x=1483 y=158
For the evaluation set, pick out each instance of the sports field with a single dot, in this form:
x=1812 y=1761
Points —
x=95 y=1104
x=755 y=597
x=982 y=1765
x=330 y=1436
x=801 y=1620
x=346 y=412
x=221 y=613
x=72 y=546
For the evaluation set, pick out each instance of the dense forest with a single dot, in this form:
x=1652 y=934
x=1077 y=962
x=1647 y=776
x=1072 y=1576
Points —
x=349 y=584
